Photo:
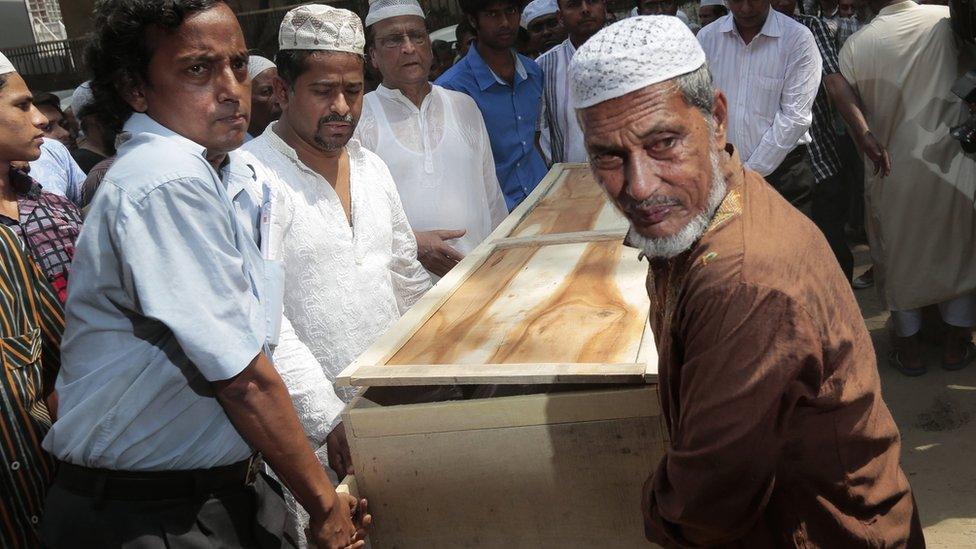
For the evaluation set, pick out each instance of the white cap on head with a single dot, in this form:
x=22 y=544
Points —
x=385 y=9
x=630 y=55
x=536 y=9
x=713 y=3
x=321 y=28
x=5 y=65
x=257 y=64
x=82 y=96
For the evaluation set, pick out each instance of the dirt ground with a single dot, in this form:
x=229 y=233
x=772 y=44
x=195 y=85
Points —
x=936 y=414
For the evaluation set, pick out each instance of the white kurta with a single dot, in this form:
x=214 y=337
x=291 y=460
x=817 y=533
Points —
x=440 y=158
x=344 y=286
x=921 y=221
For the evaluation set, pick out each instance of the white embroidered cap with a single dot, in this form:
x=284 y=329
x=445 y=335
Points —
x=536 y=9
x=630 y=55
x=82 y=96
x=324 y=28
x=5 y=65
x=257 y=64
x=385 y=9
x=713 y=3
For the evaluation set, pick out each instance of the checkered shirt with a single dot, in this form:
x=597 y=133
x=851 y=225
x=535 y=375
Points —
x=823 y=146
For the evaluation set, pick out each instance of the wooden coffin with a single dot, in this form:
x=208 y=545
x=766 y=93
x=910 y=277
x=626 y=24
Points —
x=554 y=307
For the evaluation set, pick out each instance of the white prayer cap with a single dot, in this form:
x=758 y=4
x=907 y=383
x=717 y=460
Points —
x=630 y=55
x=323 y=28
x=536 y=9
x=82 y=96
x=713 y=3
x=385 y=9
x=5 y=65
x=257 y=64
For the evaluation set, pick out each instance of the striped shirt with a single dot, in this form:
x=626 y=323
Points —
x=32 y=322
x=823 y=145
x=771 y=84
x=558 y=124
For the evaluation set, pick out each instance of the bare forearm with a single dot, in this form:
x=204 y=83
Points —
x=257 y=403
x=847 y=103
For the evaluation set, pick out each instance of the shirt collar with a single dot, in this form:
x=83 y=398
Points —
x=485 y=76
x=143 y=123
x=900 y=6
x=278 y=144
x=394 y=94
x=772 y=27
x=25 y=185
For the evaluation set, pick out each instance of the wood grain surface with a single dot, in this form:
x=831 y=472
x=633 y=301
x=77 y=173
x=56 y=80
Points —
x=568 y=303
x=576 y=203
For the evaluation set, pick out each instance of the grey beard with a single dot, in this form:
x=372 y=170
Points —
x=670 y=246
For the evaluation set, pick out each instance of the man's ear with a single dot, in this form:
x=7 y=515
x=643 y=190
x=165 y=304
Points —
x=720 y=118
x=281 y=92
x=133 y=91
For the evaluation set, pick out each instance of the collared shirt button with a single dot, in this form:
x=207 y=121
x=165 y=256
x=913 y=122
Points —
x=34 y=519
x=15 y=465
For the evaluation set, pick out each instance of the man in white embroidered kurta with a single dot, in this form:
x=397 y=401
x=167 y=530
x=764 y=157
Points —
x=561 y=136
x=350 y=258
x=433 y=140
x=920 y=220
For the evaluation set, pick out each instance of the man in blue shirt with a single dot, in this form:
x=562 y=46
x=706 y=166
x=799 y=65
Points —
x=507 y=87
x=166 y=389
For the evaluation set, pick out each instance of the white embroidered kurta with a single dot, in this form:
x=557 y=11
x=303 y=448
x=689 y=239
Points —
x=440 y=158
x=921 y=221
x=344 y=286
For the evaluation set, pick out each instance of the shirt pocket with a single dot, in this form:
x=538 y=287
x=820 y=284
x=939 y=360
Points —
x=21 y=351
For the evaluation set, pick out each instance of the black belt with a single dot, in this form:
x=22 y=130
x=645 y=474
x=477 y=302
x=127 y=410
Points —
x=105 y=484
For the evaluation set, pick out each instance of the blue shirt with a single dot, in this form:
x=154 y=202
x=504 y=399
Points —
x=165 y=296
x=510 y=114
x=57 y=171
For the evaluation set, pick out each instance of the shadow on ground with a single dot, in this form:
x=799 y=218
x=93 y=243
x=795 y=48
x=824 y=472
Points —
x=936 y=414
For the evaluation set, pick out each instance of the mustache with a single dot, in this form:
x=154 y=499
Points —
x=336 y=118
x=652 y=202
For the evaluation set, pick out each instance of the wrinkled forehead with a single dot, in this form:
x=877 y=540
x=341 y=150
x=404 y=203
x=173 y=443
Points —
x=213 y=33
x=659 y=107
x=398 y=24
x=334 y=67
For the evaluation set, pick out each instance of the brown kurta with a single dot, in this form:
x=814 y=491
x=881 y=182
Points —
x=770 y=388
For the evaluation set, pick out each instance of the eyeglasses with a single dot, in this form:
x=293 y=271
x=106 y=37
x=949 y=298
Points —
x=399 y=40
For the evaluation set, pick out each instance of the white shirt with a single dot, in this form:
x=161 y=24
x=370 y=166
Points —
x=440 y=158
x=344 y=286
x=771 y=85
x=57 y=171
x=562 y=137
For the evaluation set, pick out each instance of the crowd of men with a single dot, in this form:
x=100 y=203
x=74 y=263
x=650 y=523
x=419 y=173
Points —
x=203 y=239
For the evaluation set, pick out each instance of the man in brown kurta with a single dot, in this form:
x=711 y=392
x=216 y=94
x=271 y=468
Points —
x=768 y=378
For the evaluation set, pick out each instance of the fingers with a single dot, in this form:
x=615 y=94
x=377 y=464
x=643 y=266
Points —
x=450 y=234
x=887 y=163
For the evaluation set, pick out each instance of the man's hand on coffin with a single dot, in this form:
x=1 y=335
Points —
x=435 y=254
x=330 y=532
x=337 y=449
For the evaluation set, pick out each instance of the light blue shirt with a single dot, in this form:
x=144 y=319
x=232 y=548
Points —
x=57 y=171
x=164 y=298
x=511 y=113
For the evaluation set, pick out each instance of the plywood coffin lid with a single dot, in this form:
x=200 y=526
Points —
x=552 y=296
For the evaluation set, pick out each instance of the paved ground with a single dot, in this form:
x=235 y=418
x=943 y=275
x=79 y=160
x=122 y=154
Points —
x=935 y=413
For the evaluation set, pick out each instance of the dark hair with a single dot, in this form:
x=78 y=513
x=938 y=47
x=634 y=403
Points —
x=3 y=80
x=472 y=7
x=463 y=28
x=47 y=99
x=120 y=49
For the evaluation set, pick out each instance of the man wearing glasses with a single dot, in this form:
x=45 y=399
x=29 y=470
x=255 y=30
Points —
x=507 y=88
x=433 y=140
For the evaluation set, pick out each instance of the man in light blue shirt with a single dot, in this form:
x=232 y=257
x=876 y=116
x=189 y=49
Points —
x=507 y=87
x=166 y=388
x=57 y=171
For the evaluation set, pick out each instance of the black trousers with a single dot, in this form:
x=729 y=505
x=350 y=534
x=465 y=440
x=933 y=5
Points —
x=826 y=203
x=231 y=518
